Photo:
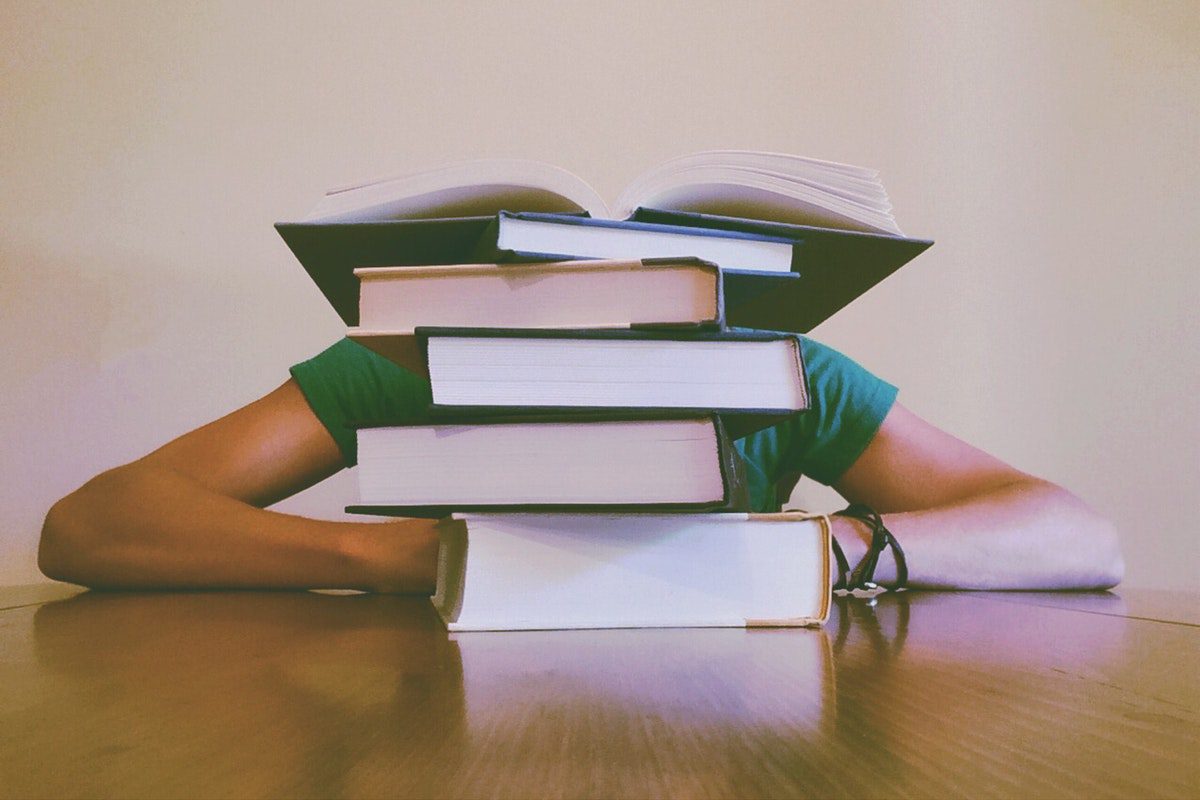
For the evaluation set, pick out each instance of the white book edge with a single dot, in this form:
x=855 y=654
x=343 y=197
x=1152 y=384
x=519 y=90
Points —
x=454 y=560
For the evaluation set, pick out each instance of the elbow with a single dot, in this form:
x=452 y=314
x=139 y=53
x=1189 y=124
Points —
x=1088 y=541
x=71 y=540
x=1101 y=562
x=59 y=541
x=1099 y=548
x=1110 y=557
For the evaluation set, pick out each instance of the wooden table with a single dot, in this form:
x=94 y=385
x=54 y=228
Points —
x=319 y=695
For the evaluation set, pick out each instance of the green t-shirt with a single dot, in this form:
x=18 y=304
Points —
x=347 y=383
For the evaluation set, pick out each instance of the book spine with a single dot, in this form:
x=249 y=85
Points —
x=486 y=250
x=737 y=504
x=733 y=470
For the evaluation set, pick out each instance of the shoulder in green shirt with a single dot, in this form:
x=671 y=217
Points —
x=349 y=385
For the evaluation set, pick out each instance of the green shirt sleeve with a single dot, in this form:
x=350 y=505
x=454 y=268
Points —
x=848 y=405
x=348 y=385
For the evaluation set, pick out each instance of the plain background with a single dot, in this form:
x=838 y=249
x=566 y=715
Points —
x=1049 y=148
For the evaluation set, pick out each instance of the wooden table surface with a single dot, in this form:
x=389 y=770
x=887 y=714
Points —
x=317 y=695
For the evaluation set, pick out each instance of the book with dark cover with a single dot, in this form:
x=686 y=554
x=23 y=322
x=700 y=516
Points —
x=412 y=352
x=833 y=267
x=830 y=267
x=732 y=250
x=733 y=496
x=331 y=251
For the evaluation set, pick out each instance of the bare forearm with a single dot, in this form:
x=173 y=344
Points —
x=140 y=528
x=1027 y=535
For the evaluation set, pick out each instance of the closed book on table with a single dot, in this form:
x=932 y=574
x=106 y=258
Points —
x=572 y=294
x=559 y=571
x=666 y=462
x=753 y=379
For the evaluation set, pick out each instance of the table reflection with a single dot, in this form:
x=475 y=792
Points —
x=274 y=693
x=186 y=694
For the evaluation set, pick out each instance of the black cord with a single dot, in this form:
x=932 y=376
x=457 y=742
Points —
x=863 y=575
x=843 y=566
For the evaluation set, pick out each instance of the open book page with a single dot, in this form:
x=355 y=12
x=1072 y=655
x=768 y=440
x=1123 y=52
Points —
x=767 y=186
x=775 y=188
x=795 y=204
x=472 y=188
x=825 y=174
x=775 y=162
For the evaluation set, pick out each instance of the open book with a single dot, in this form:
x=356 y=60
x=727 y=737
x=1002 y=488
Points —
x=732 y=183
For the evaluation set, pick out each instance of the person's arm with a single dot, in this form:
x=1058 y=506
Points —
x=967 y=520
x=191 y=515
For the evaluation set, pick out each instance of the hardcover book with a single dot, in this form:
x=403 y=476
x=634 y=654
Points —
x=553 y=237
x=565 y=294
x=752 y=379
x=581 y=462
x=558 y=571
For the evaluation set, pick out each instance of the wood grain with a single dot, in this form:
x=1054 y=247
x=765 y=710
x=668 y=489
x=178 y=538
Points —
x=302 y=695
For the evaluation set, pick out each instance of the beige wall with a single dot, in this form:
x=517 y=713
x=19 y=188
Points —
x=1051 y=149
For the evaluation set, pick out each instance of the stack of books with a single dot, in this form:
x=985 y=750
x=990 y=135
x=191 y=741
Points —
x=590 y=370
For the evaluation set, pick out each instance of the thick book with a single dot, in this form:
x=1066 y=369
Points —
x=580 y=463
x=748 y=184
x=566 y=294
x=445 y=225
x=522 y=236
x=563 y=571
x=752 y=378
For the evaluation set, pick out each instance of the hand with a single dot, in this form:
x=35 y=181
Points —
x=399 y=557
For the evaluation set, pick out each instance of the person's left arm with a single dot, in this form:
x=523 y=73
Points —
x=967 y=520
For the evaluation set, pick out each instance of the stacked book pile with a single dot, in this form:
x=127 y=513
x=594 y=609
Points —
x=590 y=371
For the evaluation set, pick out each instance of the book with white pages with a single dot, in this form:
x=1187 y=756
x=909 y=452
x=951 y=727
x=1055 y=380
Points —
x=565 y=571
x=741 y=183
x=578 y=462
x=573 y=294
x=753 y=379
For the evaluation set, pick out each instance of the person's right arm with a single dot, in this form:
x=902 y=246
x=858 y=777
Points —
x=192 y=515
